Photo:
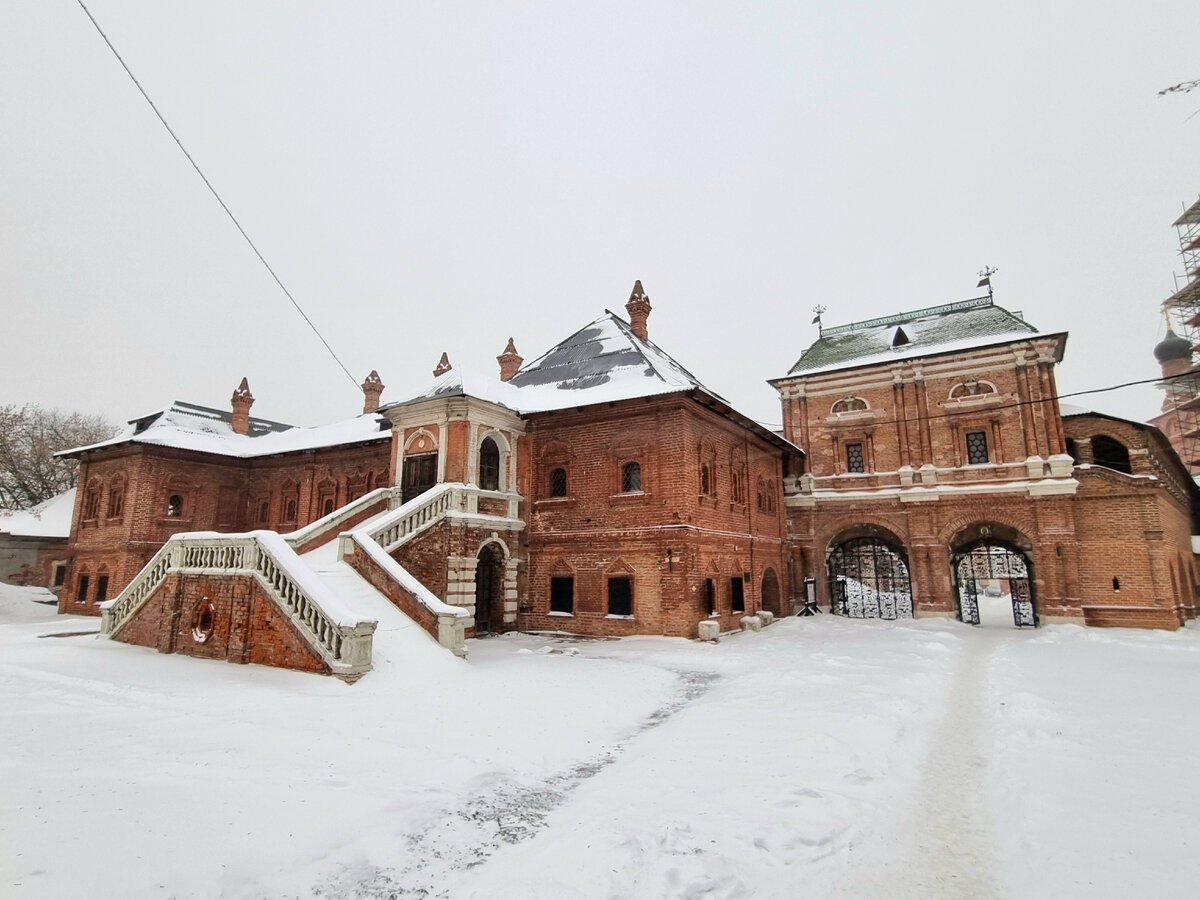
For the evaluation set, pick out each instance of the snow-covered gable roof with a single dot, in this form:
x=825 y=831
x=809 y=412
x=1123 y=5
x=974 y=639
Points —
x=601 y=363
x=188 y=426
x=935 y=329
x=49 y=519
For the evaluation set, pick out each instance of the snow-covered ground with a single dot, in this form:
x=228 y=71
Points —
x=821 y=758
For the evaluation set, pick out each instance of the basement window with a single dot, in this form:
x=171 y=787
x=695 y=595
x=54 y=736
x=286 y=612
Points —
x=620 y=596
x=562 y=595
x=203 y=623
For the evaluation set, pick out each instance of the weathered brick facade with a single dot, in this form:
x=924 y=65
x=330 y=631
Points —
x=219 y=617
x=570 y=500
x=927 y=457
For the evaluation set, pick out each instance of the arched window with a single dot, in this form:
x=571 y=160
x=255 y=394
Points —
x=631 y=477
x=174 y=506
x=91 y=500
x=116 y=497
x=489 y=465
x=558 y=482
x=1111 y=454
x=705 y=478
x=289 y=514
x=849 y=403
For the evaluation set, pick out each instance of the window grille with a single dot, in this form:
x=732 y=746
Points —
x=558 y=483
x=977 y=448
x=631 y=477
x=854 y=458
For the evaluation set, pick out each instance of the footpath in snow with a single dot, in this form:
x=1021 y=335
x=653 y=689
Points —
x=820 y=758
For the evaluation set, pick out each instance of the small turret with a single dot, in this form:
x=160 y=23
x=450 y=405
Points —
x=510 y=361
x=638 y=308
x=241 y=400
x=371 y=388
x=443 y=365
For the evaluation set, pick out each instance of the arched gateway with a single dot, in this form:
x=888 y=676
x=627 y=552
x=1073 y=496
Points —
x=996 y=569
x=868 y=579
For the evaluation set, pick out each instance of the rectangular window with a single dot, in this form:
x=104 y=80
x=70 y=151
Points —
x=83 y=588
x=60 y=574
x=977 y=448
x=737 y=595
x=562 y=595
x=101 y=588
x=620 y=596
x=854 y=458
x=710 y=596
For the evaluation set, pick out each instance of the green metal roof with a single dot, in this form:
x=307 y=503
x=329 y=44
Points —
x=945 y=328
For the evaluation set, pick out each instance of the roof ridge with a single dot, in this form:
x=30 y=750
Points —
x=898 y=318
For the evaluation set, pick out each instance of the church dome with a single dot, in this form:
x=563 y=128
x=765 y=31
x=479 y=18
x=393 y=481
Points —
x=1172 y=347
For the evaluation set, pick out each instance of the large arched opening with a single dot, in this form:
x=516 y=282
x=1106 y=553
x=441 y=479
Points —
x=869 y=575
x=992 y=570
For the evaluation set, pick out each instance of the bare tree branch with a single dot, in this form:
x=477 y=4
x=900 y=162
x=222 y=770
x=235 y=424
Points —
x=29 y=437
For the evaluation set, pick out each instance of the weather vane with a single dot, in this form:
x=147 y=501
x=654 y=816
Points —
x=985 y=278
x=819 y=310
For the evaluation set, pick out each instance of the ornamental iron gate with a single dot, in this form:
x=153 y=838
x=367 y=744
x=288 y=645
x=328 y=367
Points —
x=868 y=579
x=990 y=566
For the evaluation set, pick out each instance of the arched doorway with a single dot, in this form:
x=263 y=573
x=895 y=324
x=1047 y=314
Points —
x=489 y=589
x=991 y=570
x=770 y=593
x=868 y=579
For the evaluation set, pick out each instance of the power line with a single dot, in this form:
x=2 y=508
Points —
x=1101 y=390
x=213 y=190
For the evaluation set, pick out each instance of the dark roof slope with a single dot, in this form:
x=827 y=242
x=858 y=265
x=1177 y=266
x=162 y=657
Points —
x=933 y=329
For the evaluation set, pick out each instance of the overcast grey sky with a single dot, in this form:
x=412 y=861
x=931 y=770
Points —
x=440 y=176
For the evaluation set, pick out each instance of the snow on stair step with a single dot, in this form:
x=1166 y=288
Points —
x=398 y=641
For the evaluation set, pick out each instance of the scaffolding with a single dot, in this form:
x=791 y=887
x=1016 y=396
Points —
x=1182 y=310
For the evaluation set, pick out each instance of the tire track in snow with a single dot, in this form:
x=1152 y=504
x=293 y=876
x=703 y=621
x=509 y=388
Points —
x=504 y=813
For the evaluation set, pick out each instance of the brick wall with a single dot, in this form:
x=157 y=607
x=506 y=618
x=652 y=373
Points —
x=226 y=617
x=668 y=536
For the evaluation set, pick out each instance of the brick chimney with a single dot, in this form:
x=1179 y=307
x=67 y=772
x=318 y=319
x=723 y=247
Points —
x=510 y=361
x=443 y=365
x=638 y=308
x=372 y=388
x=242 y=400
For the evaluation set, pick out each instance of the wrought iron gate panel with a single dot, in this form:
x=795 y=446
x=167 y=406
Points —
x=968 y=601
x=868 y=579
x=989 y=561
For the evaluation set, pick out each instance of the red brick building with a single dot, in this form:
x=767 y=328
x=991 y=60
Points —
x=601 y=489
x=942 y=473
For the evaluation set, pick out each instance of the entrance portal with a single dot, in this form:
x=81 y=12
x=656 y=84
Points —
x=993 y=572
x=489 y=589
x=868 y=579
x=420 y=474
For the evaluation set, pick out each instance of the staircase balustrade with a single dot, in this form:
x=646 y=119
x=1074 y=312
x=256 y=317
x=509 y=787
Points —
x=344 y=645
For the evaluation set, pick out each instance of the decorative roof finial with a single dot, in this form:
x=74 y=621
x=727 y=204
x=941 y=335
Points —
x=638 y=308
x=241 y=402
x=510 y=361
x=372 y=387
x=443 y=365
x=985 y=278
